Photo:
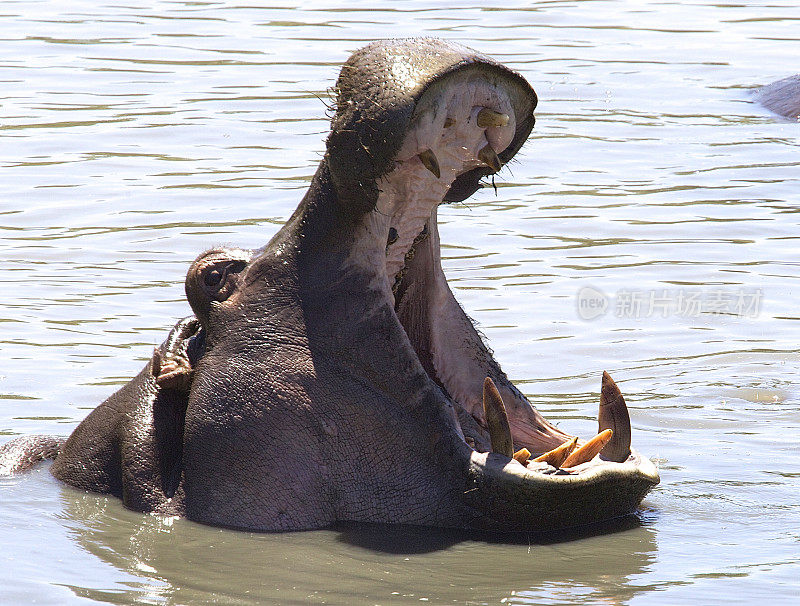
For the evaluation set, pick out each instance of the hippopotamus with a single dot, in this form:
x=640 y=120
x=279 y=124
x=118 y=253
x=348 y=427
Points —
x=331 y=375
x=781 y=97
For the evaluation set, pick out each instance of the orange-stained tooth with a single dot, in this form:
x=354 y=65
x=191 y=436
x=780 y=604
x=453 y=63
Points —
x=588 y=451
x=559 y=454
x=522 y=455
x=488 y=118
x=497 y=420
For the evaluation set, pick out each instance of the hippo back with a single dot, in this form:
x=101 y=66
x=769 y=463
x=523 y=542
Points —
x=782 y=97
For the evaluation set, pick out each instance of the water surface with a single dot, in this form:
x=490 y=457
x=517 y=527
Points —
x=135 y=135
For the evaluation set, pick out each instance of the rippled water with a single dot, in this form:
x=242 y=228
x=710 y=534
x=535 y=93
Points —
x=134 y=135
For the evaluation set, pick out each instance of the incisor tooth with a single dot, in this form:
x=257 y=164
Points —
x=489 y=157
x=522 y=455
x=588 y=451
x=559 y=454
x=497 y=420
x=428 y=159
x=488 y=118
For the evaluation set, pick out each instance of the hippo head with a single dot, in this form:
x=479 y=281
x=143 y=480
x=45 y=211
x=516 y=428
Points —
x=331 y=375
x=341 y=380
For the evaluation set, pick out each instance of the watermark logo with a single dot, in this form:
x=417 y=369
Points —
x=592 y=303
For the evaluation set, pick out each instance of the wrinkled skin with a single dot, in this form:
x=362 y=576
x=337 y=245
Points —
x=331 y=375
x=782 y=97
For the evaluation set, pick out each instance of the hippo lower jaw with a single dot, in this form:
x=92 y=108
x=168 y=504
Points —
x=455 y=129
x=552 y=492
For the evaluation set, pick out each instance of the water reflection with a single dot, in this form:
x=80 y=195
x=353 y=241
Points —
x=180 y=562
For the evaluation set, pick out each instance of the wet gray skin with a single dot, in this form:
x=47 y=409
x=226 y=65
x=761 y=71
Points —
x=782 y=97
x=331 y=375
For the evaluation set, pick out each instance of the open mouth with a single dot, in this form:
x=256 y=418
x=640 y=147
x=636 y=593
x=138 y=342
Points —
x=464 y=123
x=367 y=245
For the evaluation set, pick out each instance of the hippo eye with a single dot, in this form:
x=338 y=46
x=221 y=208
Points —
x=217 y=278
x=214 y=277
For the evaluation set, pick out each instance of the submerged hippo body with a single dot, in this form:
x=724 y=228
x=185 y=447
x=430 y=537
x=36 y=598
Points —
x=782 y=97
x=331 y=375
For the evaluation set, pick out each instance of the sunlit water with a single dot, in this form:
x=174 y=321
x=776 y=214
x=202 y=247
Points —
x=134 y=135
